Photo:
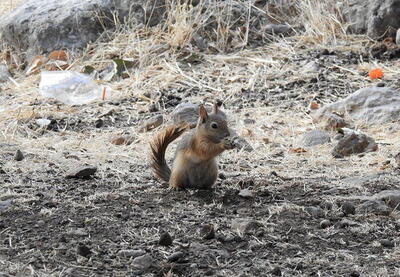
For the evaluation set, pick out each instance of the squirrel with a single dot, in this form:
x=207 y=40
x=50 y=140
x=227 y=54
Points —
x=194 y=165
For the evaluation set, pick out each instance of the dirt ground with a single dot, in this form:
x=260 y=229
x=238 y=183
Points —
x=296 y=207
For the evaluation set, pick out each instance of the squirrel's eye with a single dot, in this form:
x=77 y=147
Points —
x=214 y=125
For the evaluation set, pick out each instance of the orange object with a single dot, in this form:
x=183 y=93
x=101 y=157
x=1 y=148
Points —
x=376 y=73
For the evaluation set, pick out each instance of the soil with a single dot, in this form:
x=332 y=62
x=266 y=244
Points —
x=58 y=226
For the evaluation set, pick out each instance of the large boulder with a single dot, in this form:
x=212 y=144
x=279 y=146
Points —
x=372 y=17
x=41 y=26
x=375 y=105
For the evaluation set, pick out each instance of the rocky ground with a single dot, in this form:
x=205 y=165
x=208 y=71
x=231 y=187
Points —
x=76 y=202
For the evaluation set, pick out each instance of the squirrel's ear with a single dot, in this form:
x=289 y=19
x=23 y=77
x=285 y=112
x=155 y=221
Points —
x=215 y=108
x=203 y=113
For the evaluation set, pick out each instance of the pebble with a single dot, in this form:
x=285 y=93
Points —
x=175 y=256
x=130 y=253
x=165 y=239
x=245 y=193
x=325 y=223
x=207 y=231
x=143 y=262
x=348 y=208
x=245 y=225
x=315 y=212
x=387 y=243
x=122 y=140
x=153 y=122
x=84 y=251
x=81 y=172
x=18 y=156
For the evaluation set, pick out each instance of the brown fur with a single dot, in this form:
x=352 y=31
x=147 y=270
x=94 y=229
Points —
x=159 y=146
x=194 y=163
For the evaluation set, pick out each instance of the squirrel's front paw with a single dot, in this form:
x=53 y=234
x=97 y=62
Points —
x=228 y=143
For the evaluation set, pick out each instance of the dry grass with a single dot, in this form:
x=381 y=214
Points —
x=160 y=52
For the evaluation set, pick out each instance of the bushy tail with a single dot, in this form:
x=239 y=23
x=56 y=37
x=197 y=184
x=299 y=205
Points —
x=159 y=146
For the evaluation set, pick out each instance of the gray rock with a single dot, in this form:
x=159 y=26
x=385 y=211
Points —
x=240 y=143
x=5 y=204
x=81 y=172
x=154 y=122
x=348 y=208
x=189 y=113
x=374 y=18
x=325 y=223
x=207 y=231
x=311 y=67
x=143 y=262
x=390 y=197
x=19 y=156
x=347 y=223
x=39 y=26
x=315 y=212
x=278 y=29
x=80 y=232
x=245 y=225
x=374 y=105
x=175 y=256
x=165 y=239
x=353 y=142
x=315 y=137
x=374 y=206
x=246 y=193
x=43 y=122
x=249 y=121
x=387 y=243
x=4 y=73
x=129 y=253
x=333 y=121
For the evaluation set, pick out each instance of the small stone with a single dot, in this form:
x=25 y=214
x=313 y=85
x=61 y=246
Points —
x=82 y=172
x=347 y=223
x=386 y=243
x=165 y=239
x=245 y=193
x=315 y=212
x=355 y=274
x=334 y=122
x=129 y=253
x=380 y=84
x=18 y=156
x=175 y=256
x=154 y=122
x=5 y=204
x=207 y=231
x=311 y=67
x=390 y=197
x=315 y=137
x=374 y=206
x=245 y=225
x=84 y=251
x=249 y=121
x=43 y=122
x=99 y=123
x=353 y=142
x=278 y=29
x=325 y=223
x=122 y=140
x=152 y=108
x=80 y=232
x=4 y=73
x=348 y=208
x=276 y=271
x=143 y=262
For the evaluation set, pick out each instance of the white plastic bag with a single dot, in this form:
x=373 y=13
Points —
x=70 y=87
